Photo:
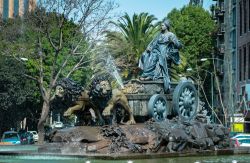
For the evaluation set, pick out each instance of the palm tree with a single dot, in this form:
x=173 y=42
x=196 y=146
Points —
x=136 y=33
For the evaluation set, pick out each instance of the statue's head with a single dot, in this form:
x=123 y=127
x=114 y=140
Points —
x=68 y=87
x=101 y=87
x=165 y=24
x=59 y=91
x=105 y=87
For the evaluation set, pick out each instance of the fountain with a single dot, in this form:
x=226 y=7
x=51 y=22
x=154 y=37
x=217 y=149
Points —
x=169 y=120
x=112 y=69
x=172 y=122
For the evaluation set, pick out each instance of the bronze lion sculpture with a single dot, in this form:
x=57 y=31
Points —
x=109 y=99
x=76 y=97
x=100 y=98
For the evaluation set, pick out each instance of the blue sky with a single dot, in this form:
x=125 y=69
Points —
x=159 y=8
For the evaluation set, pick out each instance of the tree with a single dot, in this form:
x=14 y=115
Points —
x=194 y=27
x=64 y=34
x=19 y=97
x=136 y=33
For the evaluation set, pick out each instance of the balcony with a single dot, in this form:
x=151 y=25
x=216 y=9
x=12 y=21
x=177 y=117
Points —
x=220 y=10
x=220 y=73
x=221 y=30
x=222 y=48
x=222 y=7
x=219 y=13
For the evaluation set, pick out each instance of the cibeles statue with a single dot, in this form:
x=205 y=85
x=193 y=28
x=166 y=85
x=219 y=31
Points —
x=159 y=55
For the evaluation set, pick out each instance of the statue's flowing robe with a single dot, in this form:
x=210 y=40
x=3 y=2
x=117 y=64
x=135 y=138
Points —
x=154 y=62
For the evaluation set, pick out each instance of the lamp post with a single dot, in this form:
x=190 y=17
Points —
x=24 y=59
x=205 y=59
x=228 y=68
x=212 y=90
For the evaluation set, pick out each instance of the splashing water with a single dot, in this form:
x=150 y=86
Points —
x=112 y=69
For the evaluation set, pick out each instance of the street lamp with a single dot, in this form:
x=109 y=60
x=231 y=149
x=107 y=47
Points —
x=212 y=90
x=230 y=85
x=205 y=59
x=24 y=59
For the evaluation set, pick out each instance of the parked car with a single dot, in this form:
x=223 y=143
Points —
x=35 y=135
x=58 y=125
x=241 y=136
x=23 y=136
x=240 y=140
x=11 y=137
x=30 y=138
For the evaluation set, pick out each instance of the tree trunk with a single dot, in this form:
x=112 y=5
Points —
x=40 y=126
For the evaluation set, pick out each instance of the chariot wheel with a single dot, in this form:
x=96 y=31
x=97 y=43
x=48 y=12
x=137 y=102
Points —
x=158 y=107
x=185 y=101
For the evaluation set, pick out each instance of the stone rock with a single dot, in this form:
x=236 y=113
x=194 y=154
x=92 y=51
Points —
x=78 y=134
x=151 y=137
x=138 y=134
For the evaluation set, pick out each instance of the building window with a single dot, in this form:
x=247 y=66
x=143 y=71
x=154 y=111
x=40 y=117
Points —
x=233 y=39
x=240 y=6
x=5 y=9
x=245 y=15
x=249 y=61
x=16 y=8
x=245 y=62
x=249 y=15
x=240 y=63
x=233 y=61
x=234 y=17
x=26 y=5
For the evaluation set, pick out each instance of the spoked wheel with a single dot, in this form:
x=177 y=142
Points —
x=185 y=100
x=158 y=107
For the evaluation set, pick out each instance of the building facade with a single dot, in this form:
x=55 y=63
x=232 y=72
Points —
x=14 y=8
x=233 y=60
x=220 y=55
x=243 y=58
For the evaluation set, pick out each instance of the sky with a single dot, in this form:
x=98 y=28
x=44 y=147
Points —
x=159 y=8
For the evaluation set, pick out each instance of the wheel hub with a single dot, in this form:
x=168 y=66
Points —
x=159 y=107
x=187 y=101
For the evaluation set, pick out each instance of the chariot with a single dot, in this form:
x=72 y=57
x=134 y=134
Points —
x=152 y=101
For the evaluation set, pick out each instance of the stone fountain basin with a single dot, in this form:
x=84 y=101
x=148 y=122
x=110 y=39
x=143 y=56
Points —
x=88 y=139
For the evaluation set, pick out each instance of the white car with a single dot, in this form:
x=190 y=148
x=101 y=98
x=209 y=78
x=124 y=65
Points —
x=35 y=135
x=58 y=125
x=241 y=140
x=239 y=136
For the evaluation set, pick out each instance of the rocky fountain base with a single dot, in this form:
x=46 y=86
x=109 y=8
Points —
x=169 y=136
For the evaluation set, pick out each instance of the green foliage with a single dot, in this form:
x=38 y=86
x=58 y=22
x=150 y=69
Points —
x=194 y=27
x=19 y=97
x=23 y=38
x=24 y=42
x=136 y=33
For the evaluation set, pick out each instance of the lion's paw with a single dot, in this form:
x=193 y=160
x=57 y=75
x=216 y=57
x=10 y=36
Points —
x=106 y=112
x=131 y=122
x=67 y=113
